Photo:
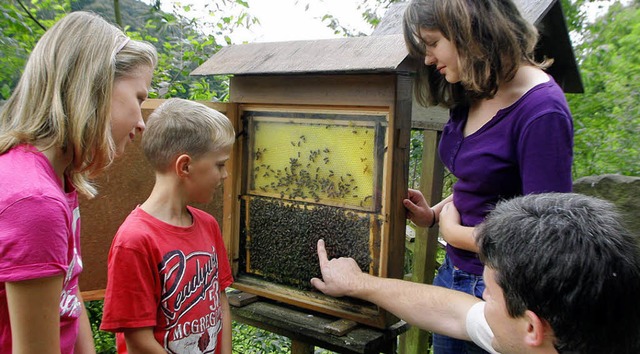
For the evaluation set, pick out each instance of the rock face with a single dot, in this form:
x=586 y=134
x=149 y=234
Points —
x=623 y=191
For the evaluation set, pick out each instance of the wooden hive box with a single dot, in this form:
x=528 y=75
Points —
x=323 y=150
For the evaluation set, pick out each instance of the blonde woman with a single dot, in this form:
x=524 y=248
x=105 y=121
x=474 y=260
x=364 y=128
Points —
x=76 y=107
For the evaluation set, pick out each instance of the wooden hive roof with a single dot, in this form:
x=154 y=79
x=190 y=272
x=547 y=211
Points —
x=384 y=53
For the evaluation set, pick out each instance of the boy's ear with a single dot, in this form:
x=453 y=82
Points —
x=182 y=165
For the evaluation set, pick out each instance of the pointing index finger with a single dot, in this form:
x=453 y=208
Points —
x=322 y=253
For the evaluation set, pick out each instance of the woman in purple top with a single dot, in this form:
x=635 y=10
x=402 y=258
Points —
x=510 y=131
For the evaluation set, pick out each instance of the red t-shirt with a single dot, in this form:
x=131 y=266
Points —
x=169 y=278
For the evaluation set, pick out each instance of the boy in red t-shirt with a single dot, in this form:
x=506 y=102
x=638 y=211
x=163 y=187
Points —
x=167 y=267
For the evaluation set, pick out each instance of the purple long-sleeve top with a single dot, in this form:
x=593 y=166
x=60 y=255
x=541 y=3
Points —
x=525 y=148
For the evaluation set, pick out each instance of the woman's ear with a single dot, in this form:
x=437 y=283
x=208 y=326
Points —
x=538 y=330
x=182 y=165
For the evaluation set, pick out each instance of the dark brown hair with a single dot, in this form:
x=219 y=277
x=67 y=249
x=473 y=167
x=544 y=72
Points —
x=491 y=37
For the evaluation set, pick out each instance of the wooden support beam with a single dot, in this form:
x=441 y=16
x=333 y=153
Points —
x=298 y=347
x=306 y=329
x=426 y=241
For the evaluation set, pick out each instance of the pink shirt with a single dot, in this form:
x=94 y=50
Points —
x=39 y=236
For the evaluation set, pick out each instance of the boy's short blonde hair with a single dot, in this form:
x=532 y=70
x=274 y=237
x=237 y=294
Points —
x=180 y=126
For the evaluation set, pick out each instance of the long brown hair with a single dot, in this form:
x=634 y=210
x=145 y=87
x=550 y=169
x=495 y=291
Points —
x=491 y=37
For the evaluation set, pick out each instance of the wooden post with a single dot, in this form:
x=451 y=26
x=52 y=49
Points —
x=298 y=347
x=426 y=241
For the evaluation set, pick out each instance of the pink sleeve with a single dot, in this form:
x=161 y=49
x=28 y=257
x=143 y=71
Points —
x=34 y=239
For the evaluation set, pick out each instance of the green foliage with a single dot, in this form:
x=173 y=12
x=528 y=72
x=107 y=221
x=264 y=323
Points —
x=21 y=27
x=105 y=342
x=607 y=115
x=575 y=14
x=186 y=42
x=371 y=11
x=252 y=340
x=184 y=39
x=415 y=158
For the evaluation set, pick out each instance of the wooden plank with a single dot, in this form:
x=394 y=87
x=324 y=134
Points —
x=534 y=10
x=426 y=241
x=346 y=90
x=359 y=311
x=239 y=298
x=399 y=169
x=555 y=43
x=431 y=184
x=308 y=327
x=345 y=55
x=391 y=22
x=298 y=347
x=340 y=327
x=93 y=295
x=230 y=205
x=433 y=118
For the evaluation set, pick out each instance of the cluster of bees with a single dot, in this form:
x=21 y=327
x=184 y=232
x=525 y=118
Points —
x=282 y=238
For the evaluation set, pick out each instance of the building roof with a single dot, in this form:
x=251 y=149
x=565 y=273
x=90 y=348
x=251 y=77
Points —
x=384 y=50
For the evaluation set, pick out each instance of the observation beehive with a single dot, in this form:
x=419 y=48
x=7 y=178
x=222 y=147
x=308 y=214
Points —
x=311 y=173
x=321 y=152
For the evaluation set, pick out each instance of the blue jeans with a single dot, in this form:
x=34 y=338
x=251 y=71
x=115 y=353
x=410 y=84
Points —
x=456 y=279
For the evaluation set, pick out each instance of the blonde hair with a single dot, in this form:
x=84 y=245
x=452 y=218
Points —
x=178 y=127
x=63 y=98
x=491 y=37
